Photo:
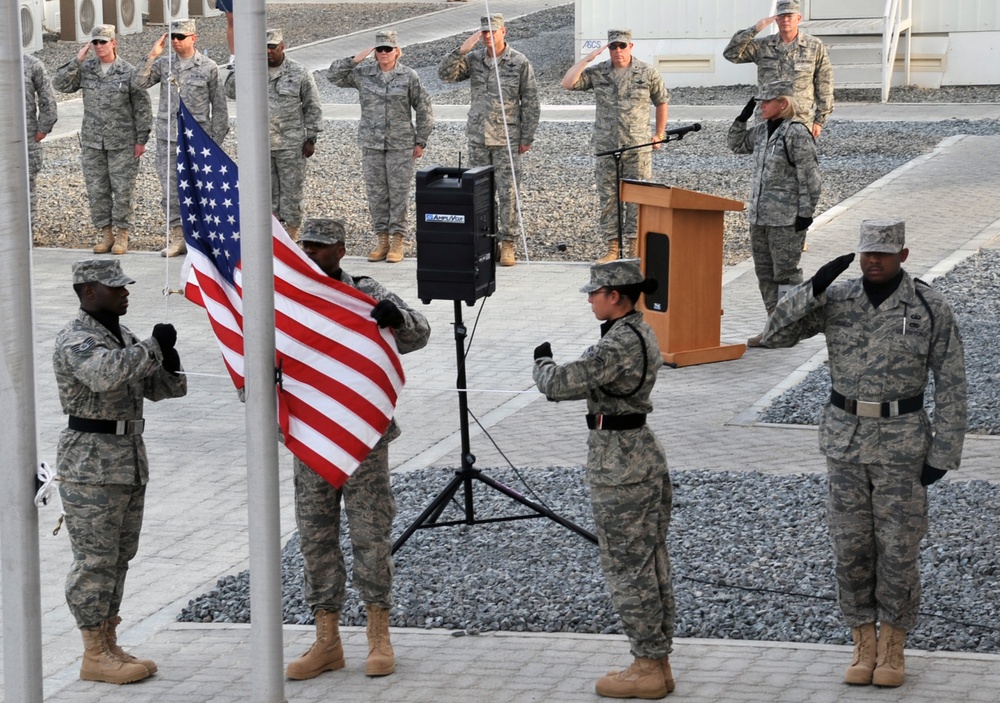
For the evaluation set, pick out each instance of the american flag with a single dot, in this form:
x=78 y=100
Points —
x=341 y=373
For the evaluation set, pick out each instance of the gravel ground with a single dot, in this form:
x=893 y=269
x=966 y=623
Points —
x=750 y=552
x=973 y=290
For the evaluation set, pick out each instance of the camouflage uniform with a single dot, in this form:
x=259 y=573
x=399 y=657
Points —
x=622 y=119
x=202 y=93
x=877 y=505
x=103 y=476
x=804 y=62
x=367 y=496
x=40 y=114
x=485 y=125
x=627 y=473
x=786 y=185
x=117 y=116
x=386 y=134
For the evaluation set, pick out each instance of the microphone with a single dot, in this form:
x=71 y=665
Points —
x=681 y=131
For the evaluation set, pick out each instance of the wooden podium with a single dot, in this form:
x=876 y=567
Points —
x=680 y=244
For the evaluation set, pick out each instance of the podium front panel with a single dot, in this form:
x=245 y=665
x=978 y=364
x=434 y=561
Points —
x=657 y=257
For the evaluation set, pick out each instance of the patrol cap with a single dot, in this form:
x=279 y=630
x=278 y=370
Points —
x=387 y=37
x=103 y=31
x=622 y=35
x=491 y=23
x=185 y=27
x=788 y=7
x=883 y=236
x=776 y=89
x=274 y=37
x=623 y=272
x=106 y=271
x=322 y=230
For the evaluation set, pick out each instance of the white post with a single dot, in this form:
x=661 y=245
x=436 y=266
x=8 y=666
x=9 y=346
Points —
x=258 y=332
x=22 y=610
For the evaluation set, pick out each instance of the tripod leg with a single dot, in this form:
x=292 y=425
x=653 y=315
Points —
x=435 y=508
x=540 y=509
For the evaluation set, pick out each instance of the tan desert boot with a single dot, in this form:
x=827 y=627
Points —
x=107 y=241
x=110 y=632
x=381 y=659
x=668 y=675
x=507 y=254
x=889 y=669
x=121 y=242
x=325 y=654
x=177 y=244
x=101 y=664
x=643 y=679
x=395 y=254
x=611 y=254
x=859 y=673
x=381 y=249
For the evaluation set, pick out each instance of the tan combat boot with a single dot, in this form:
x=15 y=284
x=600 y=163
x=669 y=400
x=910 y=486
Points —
x=381 y=659
x=381 y=249
x=889 y=670
x=177 y=244
x=395 y=254
x=668 y=675
x=644 y=679
x=611 y=254
x=101 y=664
x=107 y=241
x=110 y=632
x=507 y=254
x=325 y=654
x=121 y=242
x=293 y=232
x=859 y=673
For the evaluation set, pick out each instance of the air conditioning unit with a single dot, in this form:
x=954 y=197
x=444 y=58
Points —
x=31 y=25
x=166 y=11
x=202 y=8
x=78 y=17
x=50 y=15
x=124 y=15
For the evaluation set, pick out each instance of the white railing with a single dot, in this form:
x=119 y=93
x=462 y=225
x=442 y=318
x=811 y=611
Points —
x=894 y=23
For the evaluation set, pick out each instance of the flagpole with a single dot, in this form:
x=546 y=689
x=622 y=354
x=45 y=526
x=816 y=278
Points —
x=258 y=331
x=22 y=610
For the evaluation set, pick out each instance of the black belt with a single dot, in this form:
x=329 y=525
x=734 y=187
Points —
x=632 y=421
x=863 y=408
x=119 y=427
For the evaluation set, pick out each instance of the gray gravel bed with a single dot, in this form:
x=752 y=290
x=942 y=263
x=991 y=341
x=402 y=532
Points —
x=973 y=290
x=750 y=552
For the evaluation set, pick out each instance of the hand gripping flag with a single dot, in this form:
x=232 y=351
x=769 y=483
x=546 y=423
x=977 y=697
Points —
x=340 y=373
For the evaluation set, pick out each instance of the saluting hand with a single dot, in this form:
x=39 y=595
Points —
x=761 y=23
x=471 y=42
x=362 y=55
x=158 y=46
x=82 y=53
x=828 y=272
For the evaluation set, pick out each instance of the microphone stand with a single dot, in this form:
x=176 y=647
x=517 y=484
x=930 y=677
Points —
x=617 y=154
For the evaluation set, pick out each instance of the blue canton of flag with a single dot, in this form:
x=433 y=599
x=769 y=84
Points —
x=208 y=189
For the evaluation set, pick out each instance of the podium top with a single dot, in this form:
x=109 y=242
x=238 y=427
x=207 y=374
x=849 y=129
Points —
x=661 y=195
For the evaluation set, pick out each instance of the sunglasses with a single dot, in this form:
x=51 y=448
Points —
x=617 y=45
x=179 y=37
x=384 y=49
x=95 y=42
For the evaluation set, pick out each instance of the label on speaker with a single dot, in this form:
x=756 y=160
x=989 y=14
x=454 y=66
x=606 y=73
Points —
x=446 y=219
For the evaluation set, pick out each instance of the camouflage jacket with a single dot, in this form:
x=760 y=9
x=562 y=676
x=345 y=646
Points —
x=786 y=181
x=116 y=113
x=875 y=357
x=100 y=379
x=485 y=124
x=39 y=100
x=387 y=106
x=804 y=62
x=616 y=377
x=200 y=88
x=623 y=105
x=293 y=106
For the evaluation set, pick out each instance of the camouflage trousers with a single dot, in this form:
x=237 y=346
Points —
x=388 y=180
x=166 y=168
x=632 y=522
x=288 y=181
x=35 y=163
x=103 y=522
x=503 y=180
x=110 y=177
x=634 y=165
x=371 y=508
x=877 y=517
x=776 y=254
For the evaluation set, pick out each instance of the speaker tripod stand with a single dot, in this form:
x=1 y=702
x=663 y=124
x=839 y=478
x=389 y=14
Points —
x=465 y=476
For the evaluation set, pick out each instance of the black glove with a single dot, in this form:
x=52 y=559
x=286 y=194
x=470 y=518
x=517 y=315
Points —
x=747 y=111
x=828 y=272
x=172 y=361
x=929 y=475
x=802 y=223
x=166 y=335
x=386 y=314
x=543 y=350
